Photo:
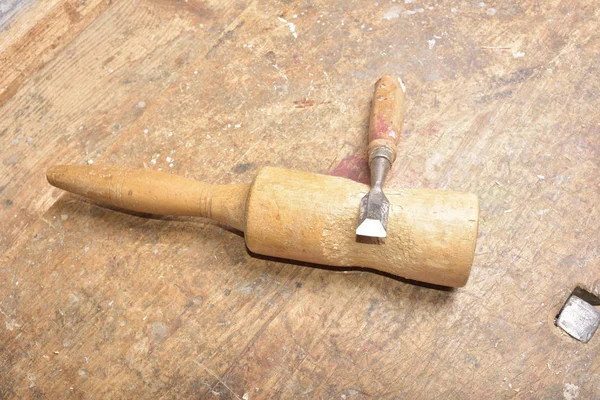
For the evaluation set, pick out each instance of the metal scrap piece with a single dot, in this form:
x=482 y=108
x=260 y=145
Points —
x=579 y=317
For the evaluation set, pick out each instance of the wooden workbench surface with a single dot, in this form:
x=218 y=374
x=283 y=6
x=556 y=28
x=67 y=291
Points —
x=502 y=100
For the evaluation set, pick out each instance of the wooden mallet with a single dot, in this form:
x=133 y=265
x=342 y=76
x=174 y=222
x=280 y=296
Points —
x=431 y=234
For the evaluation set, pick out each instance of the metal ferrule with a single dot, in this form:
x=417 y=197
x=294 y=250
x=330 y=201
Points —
x=384 y=152
x=379 y=169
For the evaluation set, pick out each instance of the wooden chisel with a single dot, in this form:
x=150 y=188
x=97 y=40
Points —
x=384 y=133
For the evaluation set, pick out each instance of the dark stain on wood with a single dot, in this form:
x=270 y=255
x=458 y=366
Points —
x=354 y=166
x=71 y=12
x=229 y=35
x=243 y=167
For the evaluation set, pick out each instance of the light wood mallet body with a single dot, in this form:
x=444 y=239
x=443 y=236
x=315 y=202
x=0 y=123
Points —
x=304 y=216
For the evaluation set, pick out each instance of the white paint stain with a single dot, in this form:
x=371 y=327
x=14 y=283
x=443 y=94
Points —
x=518 y=54
x=402 y=85
x=431 y=44
x=393 y=12
x=571 y=391
x=11 y=324
x=159 y=330
x=31 y=379
x=490 y=11
x=290 y=25
x=73 y=298
x=413 y=12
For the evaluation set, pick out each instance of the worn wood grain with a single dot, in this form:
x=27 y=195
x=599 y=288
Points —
x=117 y=67
x=37 y=35
x=500 y=101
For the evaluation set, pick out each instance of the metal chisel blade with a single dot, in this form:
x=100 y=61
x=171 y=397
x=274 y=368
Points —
x=373 y=214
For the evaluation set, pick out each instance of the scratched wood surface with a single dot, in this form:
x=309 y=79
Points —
x=502 y=101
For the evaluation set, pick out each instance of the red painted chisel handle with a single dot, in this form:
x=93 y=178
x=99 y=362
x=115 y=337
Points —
x=386 y=118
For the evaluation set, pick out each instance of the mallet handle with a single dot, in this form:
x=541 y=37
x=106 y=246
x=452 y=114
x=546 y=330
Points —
x=153 y=192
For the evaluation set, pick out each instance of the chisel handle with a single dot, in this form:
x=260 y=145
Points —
x=153 y=192
x=387 y=113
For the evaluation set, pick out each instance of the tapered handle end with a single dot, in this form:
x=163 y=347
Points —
x=153 y=192
x=53 y=175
